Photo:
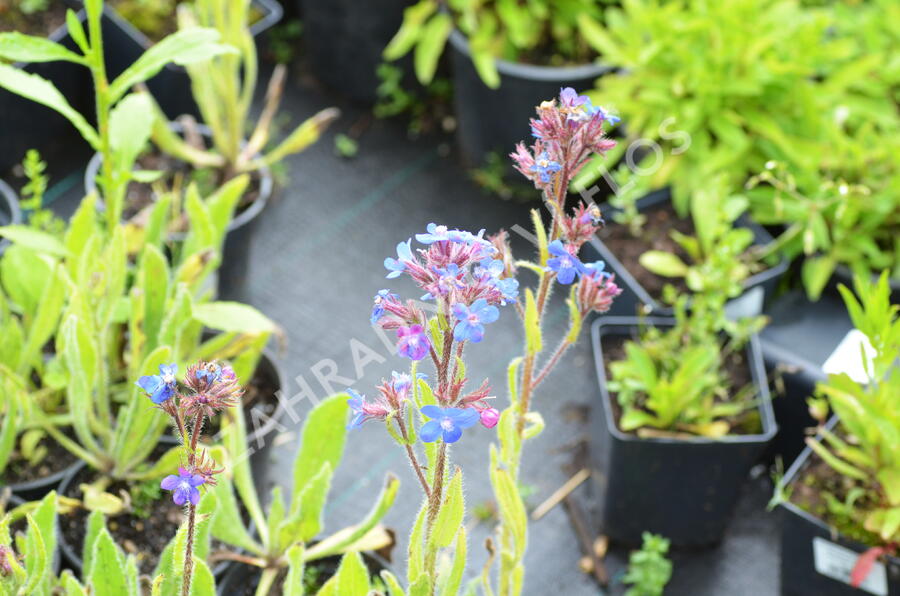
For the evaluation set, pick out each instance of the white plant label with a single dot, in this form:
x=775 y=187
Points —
x=847 y=357
x=749 y=304
x=835 y=561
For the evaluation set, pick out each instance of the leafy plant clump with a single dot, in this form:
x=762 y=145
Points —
x=648 y=568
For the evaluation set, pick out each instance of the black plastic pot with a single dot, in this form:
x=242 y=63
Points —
x=30 y=125
x=816 y=559
x=490 y=120
x=239 y=576
x=236 y=249
x=796 y=344
x=172 y=86
x=37 y=489
x=260 y=439
x=684 y=489
x=344 y=40
x=9 y=210
x=634 y=299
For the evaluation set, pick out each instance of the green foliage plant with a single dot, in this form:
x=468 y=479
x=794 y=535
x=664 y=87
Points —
x=544 y=31
x=648 y=568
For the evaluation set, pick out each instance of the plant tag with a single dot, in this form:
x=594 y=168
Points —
x=847 y=357
x=835 y=561
x=748 y=304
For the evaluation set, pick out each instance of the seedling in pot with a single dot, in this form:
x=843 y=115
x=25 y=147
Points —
x=648 y=568
x=861 y=499
x=223 y=88
x=548 y=31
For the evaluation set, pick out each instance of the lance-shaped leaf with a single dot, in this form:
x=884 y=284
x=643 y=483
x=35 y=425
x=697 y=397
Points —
x=293 y=585
x=352 y=578
x=453 y=580
x=42 y=91
x=108 y=576
x=410 y=31
x=322 y=440
x=130 y=123
x=302 y=137
x=533 y=336
x=431 y=45
x=450 y=515
x=18 y=47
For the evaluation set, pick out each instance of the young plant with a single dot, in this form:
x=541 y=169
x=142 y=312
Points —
x=496 y=29
x=32 y=196
x=124 y=119
x=864 y=447
x=648 y=568
x=629 y=187
x=211 y=389
x=725 y=86
x=26 y=564
x=720 y=254
x=674 y=381
x=223 y=88
x=281 y=545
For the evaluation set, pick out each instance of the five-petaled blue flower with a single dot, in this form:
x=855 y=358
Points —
x=607 y=117
x=544 y=167
x=509 y=289
x=569 y=98
x=183 y=486
x=396 y=266
x=566 y=265
x=471 y=320
x=378 y=304
x=446 y=423
x=162 y=386
x=596 y=270
x=489 y=267
x=211 y=375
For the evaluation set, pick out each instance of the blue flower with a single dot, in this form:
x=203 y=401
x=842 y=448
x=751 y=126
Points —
x=596 y=269
x=566 y=265
x=356 y=403
x=446 y=423
x=489 y=267
x=544 y=167
x=413 y=342
x=472 y=319
x=509 y=289
x=607 y=117
x=396 y=266
x=162 y=386
x=569 y=98
x=183 y=486
x=437 y=233
x=209 y=375
x=378 y=304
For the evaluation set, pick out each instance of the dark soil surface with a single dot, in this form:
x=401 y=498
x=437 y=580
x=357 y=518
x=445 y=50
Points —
x=808 y=490
x=41 y=23
x=737 y=369
x=656 y=235
x=18 y=470
x=178 y=174
x=259 y=395
x=315 y=575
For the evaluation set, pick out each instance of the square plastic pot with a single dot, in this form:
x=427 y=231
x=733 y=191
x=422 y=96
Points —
x=684 y=489
x=172 y=86
x=799 y=339
x=816 y=560
x=635 y=299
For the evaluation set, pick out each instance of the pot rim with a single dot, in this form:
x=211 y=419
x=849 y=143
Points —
x=51 y=482
x=844 y=274
x=791 y=475
x=11 y=200
x=757 y=373
x=534 y=71
x=650 y=304
x=272 y=14
x=266 y=187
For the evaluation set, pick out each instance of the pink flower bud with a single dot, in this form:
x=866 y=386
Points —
x=490 y=417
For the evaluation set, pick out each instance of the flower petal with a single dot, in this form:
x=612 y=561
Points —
x=149 y=383
x=194 y=495
x=464 y=417
x=430 y=431
x=488 y=314
x=170 y=482
x=432 y=411
x=452 y=435
x=180 y=496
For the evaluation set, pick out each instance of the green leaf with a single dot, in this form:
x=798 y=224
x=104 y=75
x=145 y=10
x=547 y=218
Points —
x=233 y=317
x=322 y=441
x=509 y=502
x=108 y=571
x=352 y=576
x=594 y=34
x=816 y=272
x=575 y=318
x=392 y=584
x=34 y=239
x=36 y=559
x=302 y=137
x=76 y=31
x=541 y=235
x=454 y=580
x=202 y=582
x=130 y=123
x=42 y=91
x=410 y=29
x=17 y=47
x=533 y=337
x=416 y=561
x=486 y=65
x=663 y=263
x=227 y=524
x=890 y=482
x=450 y=516
x=431 y=45
x=95 y=522
x=222 y=204
x=187 y=46
x=154 y=287
x=293 y=584
x=306 y=509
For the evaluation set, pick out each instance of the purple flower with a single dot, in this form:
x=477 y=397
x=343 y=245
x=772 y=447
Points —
x=471 y=320
x=378 y=304
x=509 y=289
x=413 y=342
x=209 y=375
x=544 y=167
x=566 y=265
x=488 y=268
x=162 y=386
x=357 y=404
x=606 y=116
x=569 y=98
x=183 y=486
x=446 y=423
x=397 y=266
